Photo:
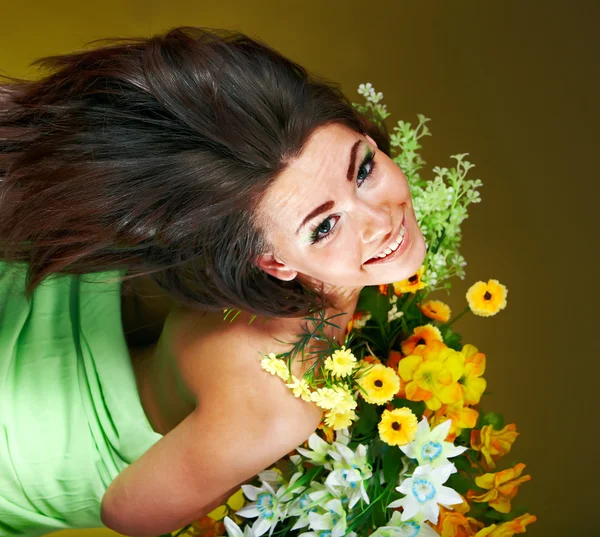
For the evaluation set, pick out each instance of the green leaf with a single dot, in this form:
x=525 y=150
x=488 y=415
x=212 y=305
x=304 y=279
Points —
x=460 y=483
x=367 y=419
x=376 y=303
x=392 y=462
x=494 y=419
x=417 y=407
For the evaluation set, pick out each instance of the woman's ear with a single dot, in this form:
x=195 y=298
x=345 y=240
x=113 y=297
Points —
x=272 y=265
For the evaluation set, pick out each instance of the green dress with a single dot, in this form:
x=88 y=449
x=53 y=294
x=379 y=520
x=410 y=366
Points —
x=70 y=414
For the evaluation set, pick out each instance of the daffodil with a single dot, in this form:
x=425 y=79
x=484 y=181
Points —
x=318 y=449
x=430 y=446
x=422 y=335
x=380 y=384
x=501 y=487
x=396 y=527
x=412 y=284
x=275 y=366
x=455 y=524
x=486 y=299
x=472 y=383
x=424 y=492
x=397 y=427
x=233 y=530
x=436 y=309
x=268 y=503
x=461 y=417
x=340 y=363
x=331 y=521
x=508 y=529
x=431 y=375
x=351 y=471
x=493 y=444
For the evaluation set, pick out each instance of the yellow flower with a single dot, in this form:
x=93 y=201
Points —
x=435 y=309
x=472 y=384
x=398 y=427
x=346 y=401
x=501 y=487
x=486 y=299
x=462 y=417
x=380 y=384
x=339 y=420
x=410 y=285
x=300 y=388
x=341 y=362
x=493 y=444
x=275 y=366
x=325 y=398
x=431 y=374
x=422 y=335
x=508 y=529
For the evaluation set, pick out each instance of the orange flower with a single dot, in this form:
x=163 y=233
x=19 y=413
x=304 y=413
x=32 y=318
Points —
x=493 y=444
x=508 y=529
x=394 y=359
x=422 y=335
x=410 y=285
x=435 y=309
x=462 y=417
x=456 y=524
x=383 y=288
x=501 y=487
x=207 y=526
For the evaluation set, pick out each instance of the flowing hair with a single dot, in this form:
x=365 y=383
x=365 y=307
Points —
x=151 y=155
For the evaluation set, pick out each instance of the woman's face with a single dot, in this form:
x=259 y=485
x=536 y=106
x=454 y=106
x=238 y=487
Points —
x=338 y=207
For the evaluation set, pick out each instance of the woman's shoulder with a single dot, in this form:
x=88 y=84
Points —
x=211 y=347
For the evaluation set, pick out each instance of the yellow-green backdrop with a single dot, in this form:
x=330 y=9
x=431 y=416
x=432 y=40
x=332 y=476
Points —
x=514 y=84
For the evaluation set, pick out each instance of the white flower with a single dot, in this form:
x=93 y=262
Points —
x=410 y=528
x=430 y=447
x=351 y=470
x=424 y=491
x=268 y=501
x=394 y=314
x=233 y=530
x=331 y=520
x=318 y=452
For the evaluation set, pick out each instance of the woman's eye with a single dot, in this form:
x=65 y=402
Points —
x=366 y=168
x=324 y=229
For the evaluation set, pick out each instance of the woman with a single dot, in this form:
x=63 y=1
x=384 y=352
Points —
x=157 y=182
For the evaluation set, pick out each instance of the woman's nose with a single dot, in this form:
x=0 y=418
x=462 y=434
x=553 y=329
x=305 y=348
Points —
x=375 y=222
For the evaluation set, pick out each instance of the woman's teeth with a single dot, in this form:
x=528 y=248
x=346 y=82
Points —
x=394 y=246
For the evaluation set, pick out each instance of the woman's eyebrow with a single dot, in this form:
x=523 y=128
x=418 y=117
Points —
x=329 y=204
x=316 y=212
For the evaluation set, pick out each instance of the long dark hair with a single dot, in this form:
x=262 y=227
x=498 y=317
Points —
x=151 y=155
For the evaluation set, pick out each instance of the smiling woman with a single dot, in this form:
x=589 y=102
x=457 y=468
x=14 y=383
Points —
x=149 y=164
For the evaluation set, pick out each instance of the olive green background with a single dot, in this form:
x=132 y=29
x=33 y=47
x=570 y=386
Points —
x=515 y=85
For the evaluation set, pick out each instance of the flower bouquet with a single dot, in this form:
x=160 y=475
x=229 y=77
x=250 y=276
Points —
x=404 y=448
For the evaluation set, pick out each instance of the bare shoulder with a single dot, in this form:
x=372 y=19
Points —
x=245 y=420
x=207 y=346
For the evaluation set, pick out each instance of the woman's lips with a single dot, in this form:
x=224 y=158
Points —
x=395 y=254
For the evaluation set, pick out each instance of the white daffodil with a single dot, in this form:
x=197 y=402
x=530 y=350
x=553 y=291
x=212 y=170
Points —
x=233 y=530
x=269 y=501
x=331 y=519
x=318 y=452
x=430 y=447
x=396 y=527
x=424 y=491
x=350 y=472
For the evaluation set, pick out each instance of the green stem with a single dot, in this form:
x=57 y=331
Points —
x=457 y=317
